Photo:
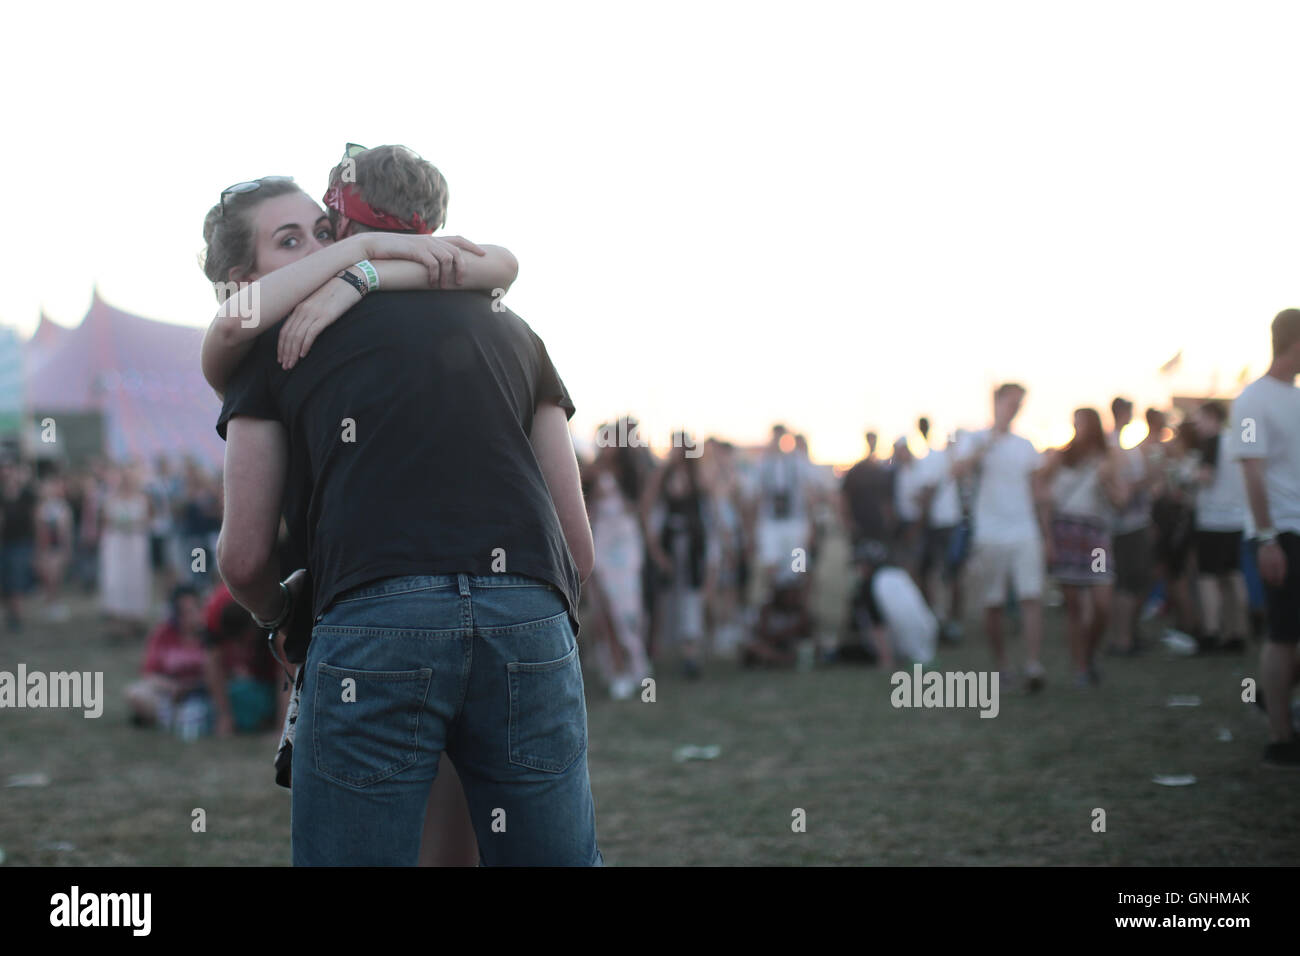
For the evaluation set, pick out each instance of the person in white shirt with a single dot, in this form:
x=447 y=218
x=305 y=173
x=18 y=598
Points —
x=1220 y=518
x=1265 y=437
x=1008 y=538
x=819 y=492
x=784 y=518
x=941 y=504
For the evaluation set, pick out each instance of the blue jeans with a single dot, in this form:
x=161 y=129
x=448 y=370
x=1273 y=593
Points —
x=485 y=668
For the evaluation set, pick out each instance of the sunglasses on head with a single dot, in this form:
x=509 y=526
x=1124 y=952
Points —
x=248 y=187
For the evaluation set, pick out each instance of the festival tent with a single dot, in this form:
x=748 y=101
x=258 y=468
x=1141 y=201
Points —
x=142 y=376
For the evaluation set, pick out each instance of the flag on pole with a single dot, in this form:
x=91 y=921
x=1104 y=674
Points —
x=1172 y=364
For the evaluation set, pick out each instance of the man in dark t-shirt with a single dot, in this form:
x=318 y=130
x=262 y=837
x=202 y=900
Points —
x=409 y=443
x=868 y=495
x=421 y=455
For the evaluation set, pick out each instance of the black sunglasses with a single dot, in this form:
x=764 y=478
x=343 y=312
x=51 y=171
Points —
x=248 y=187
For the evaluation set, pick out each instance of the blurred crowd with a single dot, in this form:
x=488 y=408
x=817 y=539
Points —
x=141 y=543
x=712 y=551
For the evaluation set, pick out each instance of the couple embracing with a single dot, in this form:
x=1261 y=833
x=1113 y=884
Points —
x=413 y=436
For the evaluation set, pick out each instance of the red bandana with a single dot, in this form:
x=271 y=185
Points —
x=346 y=198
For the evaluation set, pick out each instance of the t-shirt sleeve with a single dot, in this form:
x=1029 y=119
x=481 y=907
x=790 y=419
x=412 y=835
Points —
x=550 y=387
x=248 y=393
x=1035 y=459
x=1247 y=436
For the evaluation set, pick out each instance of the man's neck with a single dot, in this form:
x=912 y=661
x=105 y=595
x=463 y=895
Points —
x=1282 y=372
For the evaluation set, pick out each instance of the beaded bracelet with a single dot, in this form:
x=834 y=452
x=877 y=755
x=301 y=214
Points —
x=353 y=281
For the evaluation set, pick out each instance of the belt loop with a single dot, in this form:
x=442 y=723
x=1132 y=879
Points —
x=462 y=580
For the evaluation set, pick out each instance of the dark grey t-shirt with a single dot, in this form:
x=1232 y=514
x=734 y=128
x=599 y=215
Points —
x=408 y=428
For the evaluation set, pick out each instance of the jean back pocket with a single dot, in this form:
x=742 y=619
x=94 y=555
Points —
x=367 y=723
x=548 y=713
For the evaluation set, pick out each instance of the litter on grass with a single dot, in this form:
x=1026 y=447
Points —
x=691 y=752
x=28 y=780
x=1174 y=780
x=1176 y=642
x=1183 y=700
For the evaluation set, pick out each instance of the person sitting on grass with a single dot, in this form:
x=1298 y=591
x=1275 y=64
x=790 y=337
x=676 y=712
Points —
x=899 y=623
x=782 y=623
x=174 y=663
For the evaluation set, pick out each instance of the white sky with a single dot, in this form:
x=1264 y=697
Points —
x=834 y=215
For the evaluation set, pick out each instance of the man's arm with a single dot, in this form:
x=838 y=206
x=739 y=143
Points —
x=553 y=446
x=214 y=674
x=1271 y=557
x=1040 y=480
x=1257 y=491
x=257 y=460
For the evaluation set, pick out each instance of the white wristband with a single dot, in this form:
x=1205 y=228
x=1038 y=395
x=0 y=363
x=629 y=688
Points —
x=371 y=274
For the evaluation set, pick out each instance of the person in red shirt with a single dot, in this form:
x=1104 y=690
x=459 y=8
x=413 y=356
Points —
x=174 y=662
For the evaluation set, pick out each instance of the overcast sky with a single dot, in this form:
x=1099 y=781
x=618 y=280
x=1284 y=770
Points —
x=833 y=215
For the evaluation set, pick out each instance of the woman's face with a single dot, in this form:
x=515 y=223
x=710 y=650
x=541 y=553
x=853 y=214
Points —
x=285 y=229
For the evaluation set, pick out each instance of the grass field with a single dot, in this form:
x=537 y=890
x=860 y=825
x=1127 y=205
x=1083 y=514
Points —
x=879 y=785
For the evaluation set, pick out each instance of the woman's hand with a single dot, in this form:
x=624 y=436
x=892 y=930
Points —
x=443 y=257
x=312 y=316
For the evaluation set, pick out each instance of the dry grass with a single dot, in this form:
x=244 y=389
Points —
x=879 y=785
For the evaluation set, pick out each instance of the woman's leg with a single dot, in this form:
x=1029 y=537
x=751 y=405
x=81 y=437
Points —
x=448 y=836
x=691 y=621
x=603 y=643
x=1236 y=616
x=627 y=622
x=1103 y=598
x=1074 y=628
x=1180 y=593
x=1208 y=590
x=148 y=697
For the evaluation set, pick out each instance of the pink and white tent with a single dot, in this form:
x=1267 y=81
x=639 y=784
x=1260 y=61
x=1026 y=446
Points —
x=142 y=375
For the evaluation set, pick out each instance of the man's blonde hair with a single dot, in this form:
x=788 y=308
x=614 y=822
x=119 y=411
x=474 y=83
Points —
x=397 y=181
